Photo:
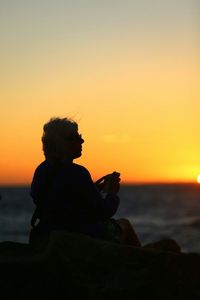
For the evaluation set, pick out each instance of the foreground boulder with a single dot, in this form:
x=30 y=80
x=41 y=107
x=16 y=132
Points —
x=70 y=266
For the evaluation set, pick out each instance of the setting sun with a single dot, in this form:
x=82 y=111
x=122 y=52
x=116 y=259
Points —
x=198 y=178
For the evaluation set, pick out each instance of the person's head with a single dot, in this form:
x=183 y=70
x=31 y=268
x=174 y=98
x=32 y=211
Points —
x=61 y=140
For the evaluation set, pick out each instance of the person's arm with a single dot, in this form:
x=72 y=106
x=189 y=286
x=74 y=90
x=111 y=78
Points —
x=40 y=182
x=36 y=186
x=101 y=207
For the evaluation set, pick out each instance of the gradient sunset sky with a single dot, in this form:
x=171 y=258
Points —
x=127 y=71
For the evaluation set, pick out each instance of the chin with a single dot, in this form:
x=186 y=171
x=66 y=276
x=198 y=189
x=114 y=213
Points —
x=77 y=155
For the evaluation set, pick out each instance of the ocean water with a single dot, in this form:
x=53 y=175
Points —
x=156 y=212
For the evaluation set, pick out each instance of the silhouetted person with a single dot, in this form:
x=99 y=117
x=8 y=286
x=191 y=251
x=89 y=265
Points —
x=66 y=197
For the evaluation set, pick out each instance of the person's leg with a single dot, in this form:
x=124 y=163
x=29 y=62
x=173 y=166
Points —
x=129 y=235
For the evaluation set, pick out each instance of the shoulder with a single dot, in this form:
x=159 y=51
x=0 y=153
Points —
x=81 y=172
x=43 y=167
x=42 y=171
x=80 y=169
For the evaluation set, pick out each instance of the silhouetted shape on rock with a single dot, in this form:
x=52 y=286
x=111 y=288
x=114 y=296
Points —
x=165 y=245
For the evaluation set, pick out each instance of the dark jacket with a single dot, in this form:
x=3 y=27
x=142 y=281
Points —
x=68 y=199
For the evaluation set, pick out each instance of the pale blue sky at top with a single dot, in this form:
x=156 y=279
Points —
x=80 y=30
x=95 y=18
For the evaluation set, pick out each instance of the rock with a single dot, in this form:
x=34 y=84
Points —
x=166 y=245
x=72 y=266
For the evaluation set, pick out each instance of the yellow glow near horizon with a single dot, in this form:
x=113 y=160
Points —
x=128 y=74
x=198 y=178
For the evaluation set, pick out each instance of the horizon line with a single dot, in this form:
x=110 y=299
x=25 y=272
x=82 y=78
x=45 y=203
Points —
x=25 y=185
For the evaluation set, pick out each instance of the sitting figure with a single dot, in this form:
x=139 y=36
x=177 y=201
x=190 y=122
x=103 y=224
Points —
x=65 y=196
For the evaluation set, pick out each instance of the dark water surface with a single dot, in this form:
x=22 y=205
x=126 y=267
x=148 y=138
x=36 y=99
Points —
x=156 y=211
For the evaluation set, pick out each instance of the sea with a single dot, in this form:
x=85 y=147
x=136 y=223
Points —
x=155 y=210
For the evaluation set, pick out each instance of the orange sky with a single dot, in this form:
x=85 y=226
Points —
x=128 y=72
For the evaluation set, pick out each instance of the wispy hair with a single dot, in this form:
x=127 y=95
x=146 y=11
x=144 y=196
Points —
x=55 y=133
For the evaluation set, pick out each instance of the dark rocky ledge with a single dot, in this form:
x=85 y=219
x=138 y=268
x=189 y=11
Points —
x=70 y=266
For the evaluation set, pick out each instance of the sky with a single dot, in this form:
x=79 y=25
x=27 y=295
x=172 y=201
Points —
x=127 y=71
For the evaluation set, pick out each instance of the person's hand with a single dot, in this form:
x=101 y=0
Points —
x=100 y=183
x=109 y=183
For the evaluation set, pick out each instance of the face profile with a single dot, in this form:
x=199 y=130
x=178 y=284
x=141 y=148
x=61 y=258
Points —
x=74 y=146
